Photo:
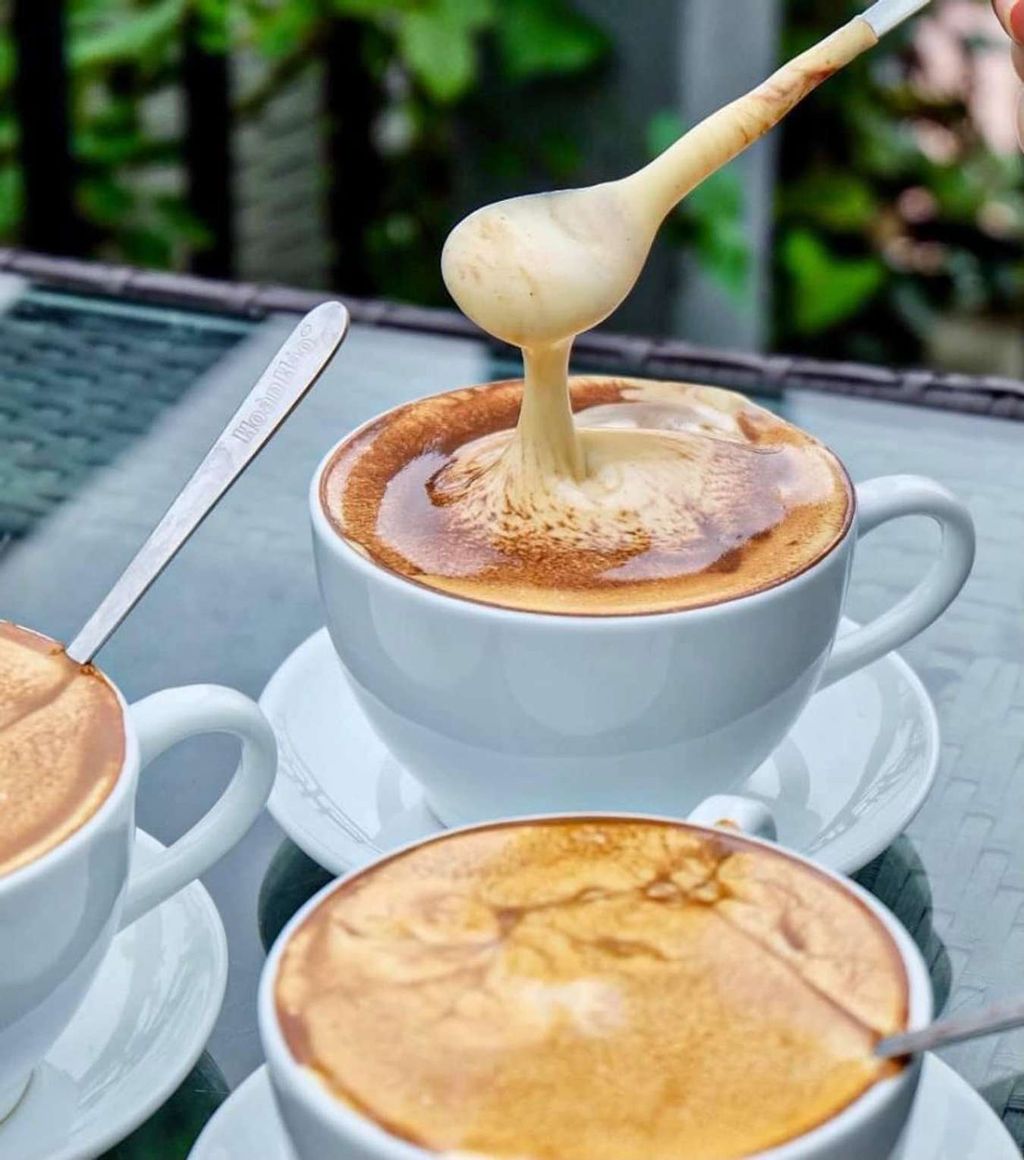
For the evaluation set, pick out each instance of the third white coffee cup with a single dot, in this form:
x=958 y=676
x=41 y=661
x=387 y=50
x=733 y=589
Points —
x=62 y=910
x=499 y=712
x=319 y=1125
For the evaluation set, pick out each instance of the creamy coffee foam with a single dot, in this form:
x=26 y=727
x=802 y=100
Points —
x=639 y=508
x=592 y=990
x=685 y=496
x=61 y=745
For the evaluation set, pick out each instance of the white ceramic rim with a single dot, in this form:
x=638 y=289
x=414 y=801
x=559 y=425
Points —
x=464 y=605
x=349 y=1124
x=124 y=785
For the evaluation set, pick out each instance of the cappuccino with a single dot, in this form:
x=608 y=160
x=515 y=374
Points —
x=566 y=517
x=592 y=989
x=61 y=745
x=687 y=496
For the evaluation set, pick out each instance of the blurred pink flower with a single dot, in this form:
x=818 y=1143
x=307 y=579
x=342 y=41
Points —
x=962 y=54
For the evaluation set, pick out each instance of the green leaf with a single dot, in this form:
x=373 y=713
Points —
x=883 y=145
x=127 y=37
x=8 y=133
x=718 y=196
x=716 y=210
x=724 y=254
x=11 y=197
x=664 y=129
x=442 y=58
x=711 y=221
x=831 y=199
x=214 y=33
x=438 y=44
x=286 y=27
x=105 y=200
x=472 y=14
x=181 y=224
x=826 y=289
x=545 y=37
x=146 y=247
x=379 y=11
x=7 y=61
x=109 y=145
x=963 y=189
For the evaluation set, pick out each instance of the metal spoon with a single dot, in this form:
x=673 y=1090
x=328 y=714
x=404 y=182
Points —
x=292 y=371
x=541 y=269
x=1001 y=1017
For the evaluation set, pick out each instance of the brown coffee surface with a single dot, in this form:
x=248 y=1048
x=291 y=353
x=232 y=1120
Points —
x=687 y=496
x=61 y=745
x=592 y=989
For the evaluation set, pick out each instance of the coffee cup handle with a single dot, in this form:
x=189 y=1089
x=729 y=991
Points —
x=889 y=498
x=163 y=720
x=732 y=811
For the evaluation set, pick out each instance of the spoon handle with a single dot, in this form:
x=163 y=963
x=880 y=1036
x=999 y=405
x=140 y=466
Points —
x=292 y=371
x=999 y=1018
x=731 y=130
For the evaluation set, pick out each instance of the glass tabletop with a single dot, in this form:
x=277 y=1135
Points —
x=242 y=595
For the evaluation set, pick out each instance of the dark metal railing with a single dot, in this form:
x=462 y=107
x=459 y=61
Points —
x=615 y=354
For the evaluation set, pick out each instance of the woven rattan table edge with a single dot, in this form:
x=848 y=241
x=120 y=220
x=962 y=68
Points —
x=671 y=358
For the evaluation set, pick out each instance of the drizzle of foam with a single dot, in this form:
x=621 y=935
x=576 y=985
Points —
x=685 y=495
x=538 y=270
x=61 y=745
x=592 y=990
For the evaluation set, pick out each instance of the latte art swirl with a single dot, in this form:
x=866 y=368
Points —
x=686 y=495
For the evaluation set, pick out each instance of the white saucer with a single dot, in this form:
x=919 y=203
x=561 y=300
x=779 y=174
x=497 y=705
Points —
x=950 y=1122
x=856 y=768
x=139 y=1031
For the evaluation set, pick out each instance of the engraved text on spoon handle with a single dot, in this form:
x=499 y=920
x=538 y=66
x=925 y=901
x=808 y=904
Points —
x=293 y=370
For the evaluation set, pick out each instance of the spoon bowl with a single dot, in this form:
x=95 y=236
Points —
x=539 y=269
x=536 y=271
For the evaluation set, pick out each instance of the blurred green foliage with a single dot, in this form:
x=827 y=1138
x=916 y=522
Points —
x=878 y=235
x=439 y=42
x=120 y=55
x=446 y=69
x=428 y=57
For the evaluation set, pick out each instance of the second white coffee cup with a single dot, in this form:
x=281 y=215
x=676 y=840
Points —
x=499 y=712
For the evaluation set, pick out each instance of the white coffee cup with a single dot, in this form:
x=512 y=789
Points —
x=500 y=712
x=59 y=913
x=319 y=1125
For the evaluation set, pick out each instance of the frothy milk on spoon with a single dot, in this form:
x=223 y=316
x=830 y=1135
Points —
x=536 y=271
x=650 y=497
